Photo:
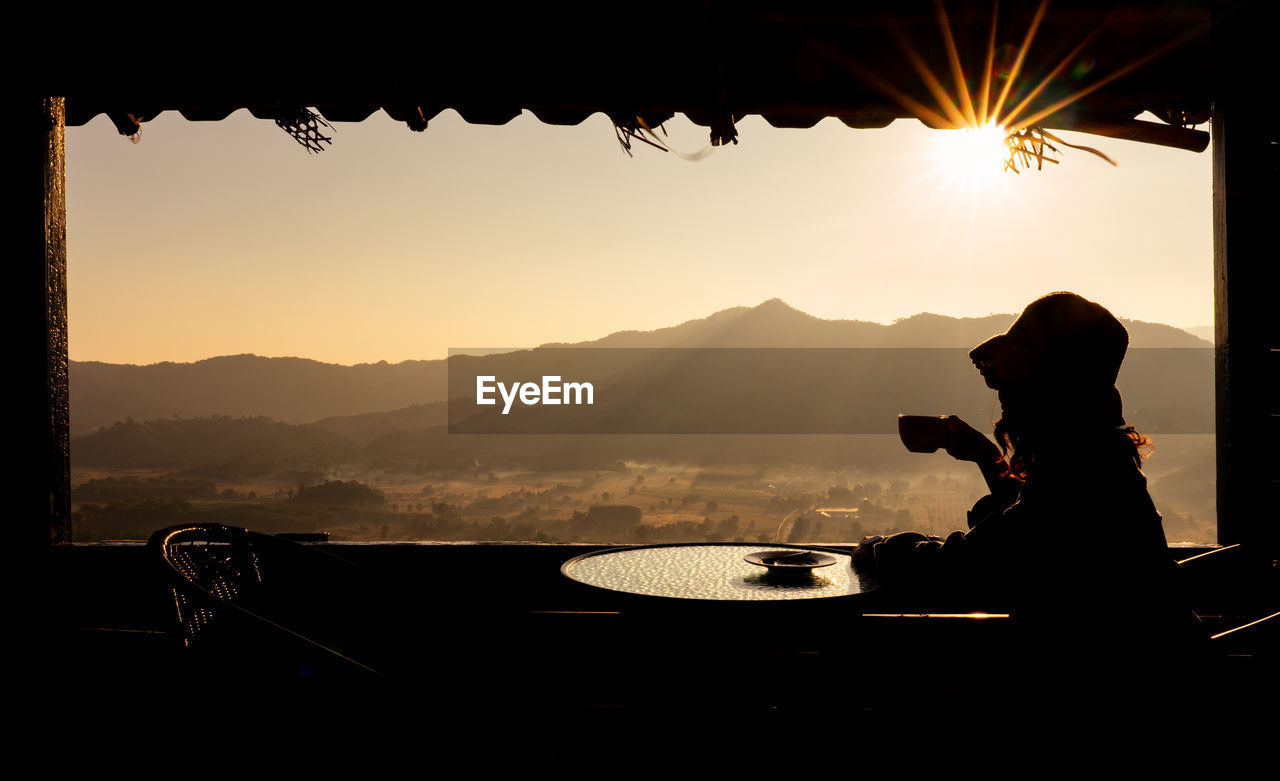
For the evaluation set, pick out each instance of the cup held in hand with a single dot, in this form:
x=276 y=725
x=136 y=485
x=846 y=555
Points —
x=922 y=433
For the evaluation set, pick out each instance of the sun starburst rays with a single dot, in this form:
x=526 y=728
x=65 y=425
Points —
x=1012 y=90
x=1021 y=57
x=982 y=115
x=957 y=70
x=984 y=94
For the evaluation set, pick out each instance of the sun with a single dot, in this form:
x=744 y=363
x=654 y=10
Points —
x=974 y=155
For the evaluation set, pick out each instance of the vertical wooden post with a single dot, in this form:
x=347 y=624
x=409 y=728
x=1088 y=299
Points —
x=45 y=437
x=1246 y=254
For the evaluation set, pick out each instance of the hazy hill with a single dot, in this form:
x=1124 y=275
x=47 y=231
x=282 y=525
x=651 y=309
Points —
x=218 y=447
x=232 y=449
x=299 y=390
x=1205 y=332
x=287 y=389
x=774 y=323
x=361 y=429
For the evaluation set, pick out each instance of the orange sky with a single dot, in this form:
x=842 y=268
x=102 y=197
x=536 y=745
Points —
x=219 y=238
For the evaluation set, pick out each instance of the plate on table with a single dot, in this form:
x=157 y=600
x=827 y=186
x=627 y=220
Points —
x=790 y=560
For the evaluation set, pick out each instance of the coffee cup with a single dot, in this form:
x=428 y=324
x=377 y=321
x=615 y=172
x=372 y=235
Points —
x=922 y=433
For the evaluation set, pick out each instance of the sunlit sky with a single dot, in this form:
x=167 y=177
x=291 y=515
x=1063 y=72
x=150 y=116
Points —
x=226 y=237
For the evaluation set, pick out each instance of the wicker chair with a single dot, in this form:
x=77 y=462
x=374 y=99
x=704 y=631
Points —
x=1237 y=593
x=252 y=613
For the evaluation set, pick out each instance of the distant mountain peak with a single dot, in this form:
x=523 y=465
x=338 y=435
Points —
x=775 y=323
x=779 y=310
x=935 y=318
x=300 y=389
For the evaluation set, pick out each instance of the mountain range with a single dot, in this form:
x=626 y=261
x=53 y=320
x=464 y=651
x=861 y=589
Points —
x=383 y=397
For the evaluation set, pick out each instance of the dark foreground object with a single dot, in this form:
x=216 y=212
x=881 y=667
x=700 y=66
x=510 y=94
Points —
x=484 y=653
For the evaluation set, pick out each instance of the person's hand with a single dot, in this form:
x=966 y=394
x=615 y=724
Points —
x=965 y=443
x=865 y=555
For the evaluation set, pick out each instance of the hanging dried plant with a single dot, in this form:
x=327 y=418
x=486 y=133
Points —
x=629 y=129
x=1033 y=144
x=304 y=125
x=634 y=128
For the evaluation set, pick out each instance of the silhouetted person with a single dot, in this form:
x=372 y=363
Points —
x=1068 y=536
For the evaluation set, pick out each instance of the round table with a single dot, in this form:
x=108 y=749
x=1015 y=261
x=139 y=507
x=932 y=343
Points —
x=714 y=571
